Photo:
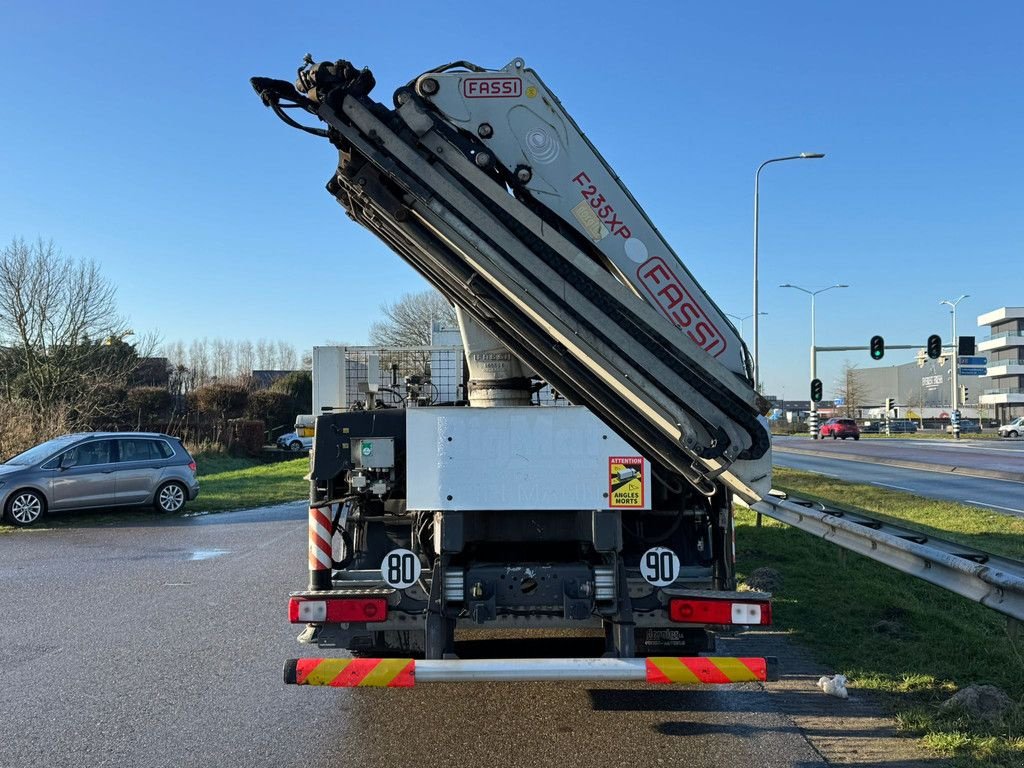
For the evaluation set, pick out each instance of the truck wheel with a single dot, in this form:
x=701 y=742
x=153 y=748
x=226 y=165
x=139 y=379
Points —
x=25 y=508
x=170 y=497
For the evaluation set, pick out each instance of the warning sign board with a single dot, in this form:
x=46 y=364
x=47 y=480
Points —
x=625 y=481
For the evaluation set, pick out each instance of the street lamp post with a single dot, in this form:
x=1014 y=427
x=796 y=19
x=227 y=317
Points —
x=743 y=321
x=757 y=181
x=954 y=363
x=812 y=419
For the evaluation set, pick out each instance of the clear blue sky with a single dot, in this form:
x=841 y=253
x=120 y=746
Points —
x=129 y=134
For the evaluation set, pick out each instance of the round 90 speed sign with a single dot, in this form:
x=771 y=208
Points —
x=659 y=566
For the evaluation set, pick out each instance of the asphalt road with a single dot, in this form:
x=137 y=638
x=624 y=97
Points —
x=160 y=643
x=985 y=455
x=1006 y=496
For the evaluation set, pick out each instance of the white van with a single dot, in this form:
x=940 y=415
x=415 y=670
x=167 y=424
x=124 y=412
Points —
x=1013 y=428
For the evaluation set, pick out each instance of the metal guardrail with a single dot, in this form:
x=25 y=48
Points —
x=993 y=581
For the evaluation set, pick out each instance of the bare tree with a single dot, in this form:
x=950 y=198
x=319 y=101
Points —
x=264 y=354
x=850 y=387
x=59 y=319
x=175 y=353
x=409 y=320
x=199 y=359
x=222 y=357
x=245 y=358
x=284 y=355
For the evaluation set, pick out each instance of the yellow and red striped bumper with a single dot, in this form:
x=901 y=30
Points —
x=404 y=673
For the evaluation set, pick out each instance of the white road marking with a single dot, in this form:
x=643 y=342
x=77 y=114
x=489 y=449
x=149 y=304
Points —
x=207 y=554
x=898 y=487
x=994 y=506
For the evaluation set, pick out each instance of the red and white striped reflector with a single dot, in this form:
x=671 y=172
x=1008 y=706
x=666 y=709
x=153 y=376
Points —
x=319 y=539
x=336 y=610
x=700 y=611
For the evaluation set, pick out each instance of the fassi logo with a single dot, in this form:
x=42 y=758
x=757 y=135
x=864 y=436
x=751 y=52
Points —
x=679 y=306
x=492 y=87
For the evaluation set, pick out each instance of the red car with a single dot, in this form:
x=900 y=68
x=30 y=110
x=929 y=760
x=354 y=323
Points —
x=843 y=428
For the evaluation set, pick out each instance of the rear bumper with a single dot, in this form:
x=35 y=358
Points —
x=405 y=673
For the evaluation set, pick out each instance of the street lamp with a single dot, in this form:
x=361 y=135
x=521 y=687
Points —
x=954 y=364
x=812 y=419
x=743 y=320
x=757 y=180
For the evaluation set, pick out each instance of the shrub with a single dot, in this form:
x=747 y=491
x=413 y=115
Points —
x=148 y=404
x=299 y=385
x=224 y=400
x=276 y=409
x=246 y=436
x=21 y=427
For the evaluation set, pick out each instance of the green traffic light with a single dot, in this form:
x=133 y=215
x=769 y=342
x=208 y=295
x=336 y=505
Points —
x=877 y=347
x=816 y=390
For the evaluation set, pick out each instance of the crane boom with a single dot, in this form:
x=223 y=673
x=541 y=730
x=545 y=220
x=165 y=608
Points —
x=484 y=184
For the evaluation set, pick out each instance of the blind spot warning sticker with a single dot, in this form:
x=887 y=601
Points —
x=626 y=482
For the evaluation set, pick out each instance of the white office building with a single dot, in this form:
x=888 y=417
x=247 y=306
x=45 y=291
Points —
x=1004 y=348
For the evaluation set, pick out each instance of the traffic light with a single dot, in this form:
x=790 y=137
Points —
x=890 y=403
x=934 y=346
x=963 y=393
x=965 y=346
x=816 y=390
x=877 y=347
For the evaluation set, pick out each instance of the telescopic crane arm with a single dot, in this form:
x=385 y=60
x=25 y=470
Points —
x=484 y=184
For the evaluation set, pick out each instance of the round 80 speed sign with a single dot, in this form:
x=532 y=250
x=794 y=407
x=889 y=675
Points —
x=400 y=568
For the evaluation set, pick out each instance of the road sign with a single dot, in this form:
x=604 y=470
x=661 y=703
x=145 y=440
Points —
x=972 y=361
x=839 y=401
x=973 y=371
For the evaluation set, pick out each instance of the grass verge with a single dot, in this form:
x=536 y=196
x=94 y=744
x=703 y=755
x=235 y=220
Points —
x=909 y=642
x=216 y=462
x=251 y=486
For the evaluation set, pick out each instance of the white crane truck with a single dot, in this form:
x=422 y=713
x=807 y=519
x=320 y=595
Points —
x=490 y=512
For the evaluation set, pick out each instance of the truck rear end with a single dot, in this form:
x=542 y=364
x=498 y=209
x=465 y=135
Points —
x=491 y=512
x=428 y=521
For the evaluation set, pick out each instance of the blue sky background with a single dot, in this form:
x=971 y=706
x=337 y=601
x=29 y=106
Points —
x=129 y=134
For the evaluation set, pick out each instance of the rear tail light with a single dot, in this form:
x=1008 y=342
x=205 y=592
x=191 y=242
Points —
x=745 y=613
x=334 y=610
x=192 y=466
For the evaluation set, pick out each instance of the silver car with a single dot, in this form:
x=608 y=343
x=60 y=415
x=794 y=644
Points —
x=292 y=442
x=97 y=469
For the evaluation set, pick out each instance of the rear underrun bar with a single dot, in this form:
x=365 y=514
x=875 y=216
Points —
x=405 y=673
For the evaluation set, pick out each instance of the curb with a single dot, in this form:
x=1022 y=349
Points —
x=992 y=474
